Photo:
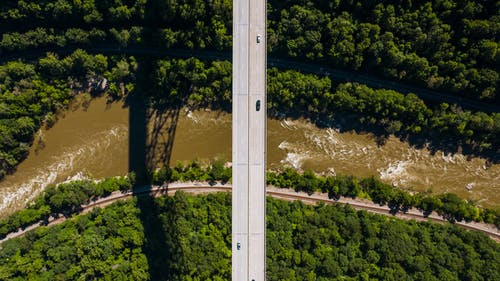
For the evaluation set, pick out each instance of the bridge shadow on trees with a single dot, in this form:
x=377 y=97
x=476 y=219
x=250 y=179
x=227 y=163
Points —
x=152 y=130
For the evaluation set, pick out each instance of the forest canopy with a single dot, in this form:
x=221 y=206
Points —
x=448 y=45
x=189 y=238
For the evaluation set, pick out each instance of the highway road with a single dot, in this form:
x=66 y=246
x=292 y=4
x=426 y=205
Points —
x=334 y=74
x=249 y=140
x=278 y=193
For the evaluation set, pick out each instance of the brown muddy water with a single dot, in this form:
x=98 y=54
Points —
x=93 y=142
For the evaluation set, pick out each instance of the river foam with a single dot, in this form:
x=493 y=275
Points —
x=58 y=168
x=396 y=172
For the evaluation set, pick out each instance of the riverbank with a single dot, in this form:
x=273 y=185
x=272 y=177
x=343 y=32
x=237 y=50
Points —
x=94 y=141
x=275 y=192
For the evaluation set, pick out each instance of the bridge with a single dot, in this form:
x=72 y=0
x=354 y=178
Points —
x=249 y=141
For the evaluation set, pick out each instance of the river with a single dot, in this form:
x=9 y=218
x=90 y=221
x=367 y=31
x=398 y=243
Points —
x=93 y=141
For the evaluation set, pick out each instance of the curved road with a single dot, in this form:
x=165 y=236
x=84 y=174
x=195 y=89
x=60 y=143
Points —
x=279 y=193
x=334 y=74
